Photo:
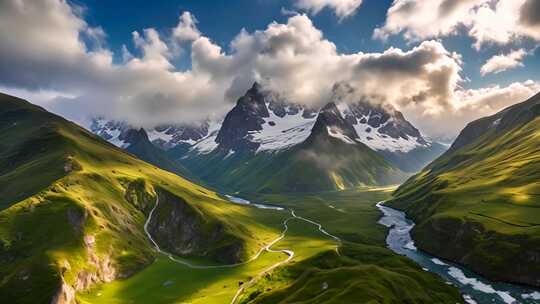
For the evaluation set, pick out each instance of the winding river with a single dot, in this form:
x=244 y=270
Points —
x=475 y=289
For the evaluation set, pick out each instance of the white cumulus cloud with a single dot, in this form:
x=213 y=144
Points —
x=486 y=21
x=342 y=8
x=43 y=56
x=503 y=62
x=186 y=30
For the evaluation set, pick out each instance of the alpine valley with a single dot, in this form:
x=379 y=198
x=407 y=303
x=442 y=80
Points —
x=154 y=215
x=270 y=152
x=83 y=221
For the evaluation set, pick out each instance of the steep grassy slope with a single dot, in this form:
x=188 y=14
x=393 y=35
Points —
x=325 y=163
x=141 y=147
x=72 y=210
x=322 y=163
x=478 y=203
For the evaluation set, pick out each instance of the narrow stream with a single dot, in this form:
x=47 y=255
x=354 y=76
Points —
x=241 y=201
x=476 y=289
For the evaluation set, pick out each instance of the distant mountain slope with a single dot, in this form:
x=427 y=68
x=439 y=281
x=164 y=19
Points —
x=478 y=203
x=385 y=130
x=72 y=209
x=137 y=142
x=164 y=137
x=332 y=158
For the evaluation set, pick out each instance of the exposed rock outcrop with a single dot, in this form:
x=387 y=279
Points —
x=181 y=229
x=65 y=294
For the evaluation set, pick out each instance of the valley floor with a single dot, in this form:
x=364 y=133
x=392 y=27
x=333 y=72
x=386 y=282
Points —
x=361 y=270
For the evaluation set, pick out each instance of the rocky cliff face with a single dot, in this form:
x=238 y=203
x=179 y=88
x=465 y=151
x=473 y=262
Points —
x=180 y=229
x=247 y=116
x=331 y=123
x=469 y=243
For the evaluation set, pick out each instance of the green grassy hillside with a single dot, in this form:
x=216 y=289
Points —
x=324 y=163
x=72 y=209
x=142 y=148
x=478 y=204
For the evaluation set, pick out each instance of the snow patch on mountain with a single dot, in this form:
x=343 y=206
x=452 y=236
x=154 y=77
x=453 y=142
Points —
x=208 y=144
x=110 y=131
x=279 y=133
x=159 y=135
x=168 y=137
x=118 y=142
x=338 y=133
x=376 y=140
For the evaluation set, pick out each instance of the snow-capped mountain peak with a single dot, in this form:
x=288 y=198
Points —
x=330 y=122
x=263 y=121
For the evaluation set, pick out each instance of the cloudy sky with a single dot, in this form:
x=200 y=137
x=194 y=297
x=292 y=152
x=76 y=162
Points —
x=442 y=62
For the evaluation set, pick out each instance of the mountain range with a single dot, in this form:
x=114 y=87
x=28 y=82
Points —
x=266 y=143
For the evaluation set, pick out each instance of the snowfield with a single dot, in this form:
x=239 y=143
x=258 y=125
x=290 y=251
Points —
x=338 y=133
x=279 y=133
x=208 y=143
x=109 y=130
x=374 y=138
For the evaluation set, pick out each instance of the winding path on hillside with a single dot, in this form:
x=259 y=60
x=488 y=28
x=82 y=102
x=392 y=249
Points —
x=268 y=247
